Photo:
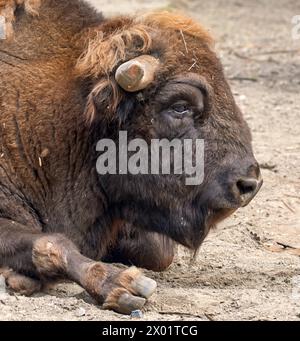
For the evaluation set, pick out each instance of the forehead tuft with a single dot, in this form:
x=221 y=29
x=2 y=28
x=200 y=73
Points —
x=177 y=22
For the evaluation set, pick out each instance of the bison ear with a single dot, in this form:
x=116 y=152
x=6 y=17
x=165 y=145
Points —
x=126 y=106
x=102 y=102
x=106 y=103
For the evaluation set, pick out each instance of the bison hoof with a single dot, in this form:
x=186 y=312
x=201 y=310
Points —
x=144 y=286
x=124 y=290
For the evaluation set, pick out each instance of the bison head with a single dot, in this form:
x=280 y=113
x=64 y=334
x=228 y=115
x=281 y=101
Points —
x=158 y=77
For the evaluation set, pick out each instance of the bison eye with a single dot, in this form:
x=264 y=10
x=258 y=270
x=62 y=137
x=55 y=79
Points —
x=181 y=108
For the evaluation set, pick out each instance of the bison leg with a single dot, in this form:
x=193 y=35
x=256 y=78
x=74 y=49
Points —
x=21 y=284
x=7 y=13
x=50 y=256
x=144 y=249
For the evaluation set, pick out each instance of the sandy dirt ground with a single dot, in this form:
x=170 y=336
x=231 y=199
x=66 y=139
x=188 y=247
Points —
x=241 y=273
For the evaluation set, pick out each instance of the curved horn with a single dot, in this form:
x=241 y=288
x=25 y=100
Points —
x=137 y=73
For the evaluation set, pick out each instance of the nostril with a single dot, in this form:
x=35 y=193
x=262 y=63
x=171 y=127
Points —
x=247 y=186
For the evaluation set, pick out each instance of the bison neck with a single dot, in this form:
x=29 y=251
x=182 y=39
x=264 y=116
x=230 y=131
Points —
x=48 y=177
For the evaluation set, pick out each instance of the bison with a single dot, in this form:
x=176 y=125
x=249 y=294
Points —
x=70 y=77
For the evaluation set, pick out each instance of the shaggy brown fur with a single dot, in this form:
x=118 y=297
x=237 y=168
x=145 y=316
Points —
x=7 y=10
x=58 y=216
